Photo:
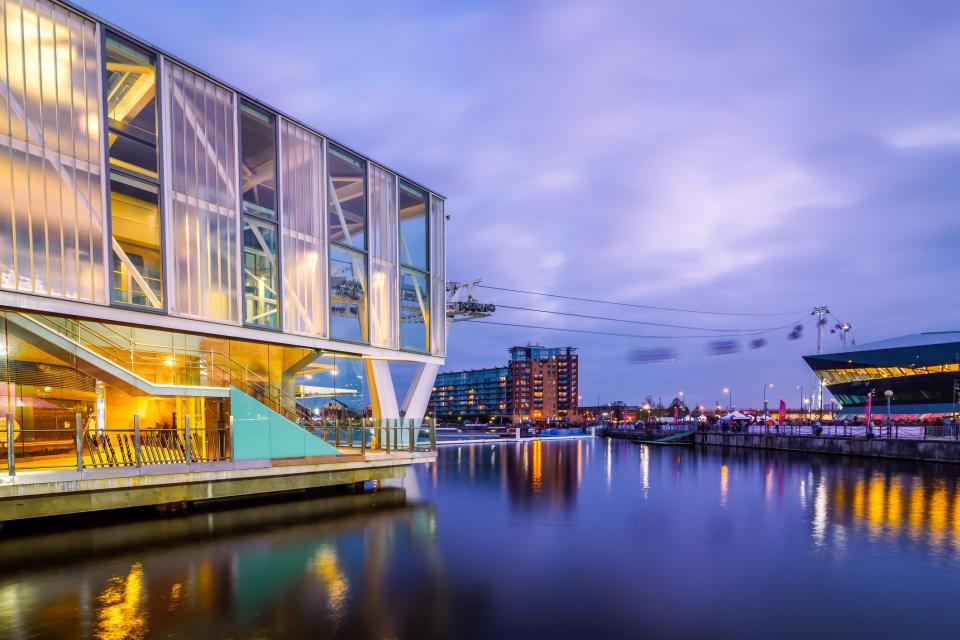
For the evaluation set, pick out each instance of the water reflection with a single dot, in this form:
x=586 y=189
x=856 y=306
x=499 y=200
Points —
x=235 y=573
x=590 y=538
x=889 y=504
x=531 y=474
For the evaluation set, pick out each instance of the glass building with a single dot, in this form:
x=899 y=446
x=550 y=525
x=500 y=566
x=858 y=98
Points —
x=472 y=395
x=922 y=371
x=179 y=258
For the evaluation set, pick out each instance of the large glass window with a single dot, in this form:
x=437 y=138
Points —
x=258 y=161
x=348 y=294
x=302 y=222
x=137 y=259
x=346 y=198
x=414 y=310
x=131 y=107
x=347 y=216
x=131 y=88
x=51 y=218
x=260 y=274
x=384 y=289
x=258 y=176
x=413 y=227
x=414 y=277
x=203 y=193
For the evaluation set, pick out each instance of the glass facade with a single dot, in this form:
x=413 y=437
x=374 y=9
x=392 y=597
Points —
x=261 y=275
x=346 y=198
x=414 y=314
x=438 y=278
x=347 y=215
x=136 y=181
x=204 y=220
x=135 y=214
x=920 y=373
x=258 y=168
x=414 y=279
x=52 y=224
x=348 y=308
x=384 y=286
x=304 y=248
x=476 y=394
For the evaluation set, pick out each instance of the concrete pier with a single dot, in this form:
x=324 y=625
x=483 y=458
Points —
x=40 y=494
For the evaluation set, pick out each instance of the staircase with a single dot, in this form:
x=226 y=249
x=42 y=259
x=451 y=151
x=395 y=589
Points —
x=111 y=355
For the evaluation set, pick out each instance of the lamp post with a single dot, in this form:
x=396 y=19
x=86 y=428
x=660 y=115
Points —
x=888 y=394
x=800 y=387
x=729 y=393
x=769 y=385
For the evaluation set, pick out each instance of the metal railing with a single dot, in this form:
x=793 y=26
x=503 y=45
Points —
x=387 y=435
x=882 y=431
x=78 y=447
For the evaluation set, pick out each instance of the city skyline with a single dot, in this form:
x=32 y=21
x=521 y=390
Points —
x=655 y=155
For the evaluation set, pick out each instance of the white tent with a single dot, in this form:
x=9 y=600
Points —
x=736 y=416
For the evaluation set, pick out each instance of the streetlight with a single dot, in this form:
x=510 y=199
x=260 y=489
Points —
x=888 y=394
x=729 y=393
x=765 y=387
x=800 y=387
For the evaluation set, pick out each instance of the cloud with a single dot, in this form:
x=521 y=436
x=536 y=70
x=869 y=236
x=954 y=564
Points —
x=735 y=155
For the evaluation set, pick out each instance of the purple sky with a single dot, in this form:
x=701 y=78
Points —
x=736 y=156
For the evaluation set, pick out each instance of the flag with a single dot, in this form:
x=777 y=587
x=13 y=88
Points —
x=783 y=412
x=869 y=406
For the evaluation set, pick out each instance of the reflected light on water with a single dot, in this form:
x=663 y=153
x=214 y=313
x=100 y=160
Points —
x=609 y=463
x=724 y=473
x=326 y=566
x=537 y=466
x=645 y=469
x=121 y=616
x=820 y=512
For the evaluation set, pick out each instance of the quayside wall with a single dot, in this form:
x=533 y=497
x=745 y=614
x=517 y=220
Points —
x=931 y=450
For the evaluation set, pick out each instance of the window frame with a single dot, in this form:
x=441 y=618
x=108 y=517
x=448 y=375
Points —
x=105 y=34
x=346 y=248
x=276 y=221
x=426 y=273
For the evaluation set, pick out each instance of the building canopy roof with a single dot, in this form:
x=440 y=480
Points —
x=918 y=349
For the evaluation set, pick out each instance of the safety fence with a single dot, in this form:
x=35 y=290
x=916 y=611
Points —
x=79 y=445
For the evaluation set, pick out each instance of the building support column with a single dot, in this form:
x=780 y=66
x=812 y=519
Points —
x=418 y=395
x=383 y=395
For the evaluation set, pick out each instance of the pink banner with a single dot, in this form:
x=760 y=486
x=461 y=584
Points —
x=676 y=414
x=783 y=413
x=869 y=413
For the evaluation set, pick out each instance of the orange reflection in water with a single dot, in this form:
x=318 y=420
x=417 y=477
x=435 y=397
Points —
x=924 y=507
x=537 y=466
x=121 y=615
x=895 y=504
x=724 y=472
x=876 y=497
